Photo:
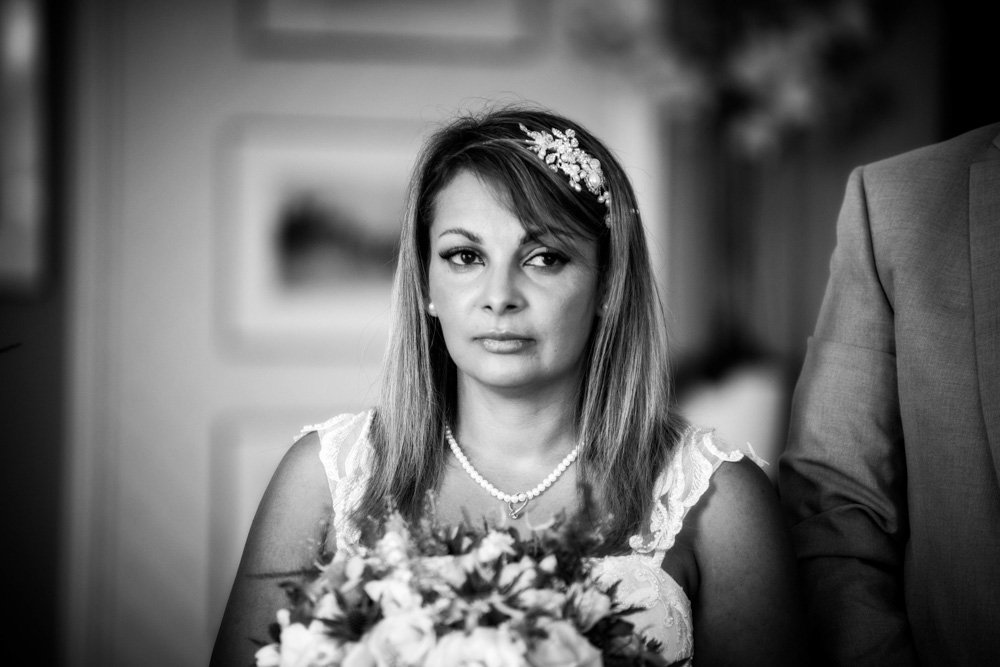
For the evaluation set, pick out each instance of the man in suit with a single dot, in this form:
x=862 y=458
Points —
x=891 y=475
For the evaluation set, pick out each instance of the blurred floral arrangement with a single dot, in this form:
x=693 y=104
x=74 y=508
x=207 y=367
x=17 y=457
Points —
x=767 y=71
x=432 y=595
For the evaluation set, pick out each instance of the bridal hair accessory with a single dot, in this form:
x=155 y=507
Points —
x=562 y=152
x=516 y=502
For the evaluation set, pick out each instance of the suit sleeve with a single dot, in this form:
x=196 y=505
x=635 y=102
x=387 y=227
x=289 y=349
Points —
x=842 y=476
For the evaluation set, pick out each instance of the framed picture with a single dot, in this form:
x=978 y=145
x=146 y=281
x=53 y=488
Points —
x=486 y=31
x=22 y=147
x=311 y=221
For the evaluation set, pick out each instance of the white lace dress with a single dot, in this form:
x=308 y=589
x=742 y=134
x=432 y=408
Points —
x=665 y=609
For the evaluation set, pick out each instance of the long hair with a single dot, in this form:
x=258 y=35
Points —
x=627 y=425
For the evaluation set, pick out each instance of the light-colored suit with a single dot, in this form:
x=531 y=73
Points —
x=891 y=476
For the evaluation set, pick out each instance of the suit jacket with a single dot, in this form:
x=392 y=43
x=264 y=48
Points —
x=891 y=475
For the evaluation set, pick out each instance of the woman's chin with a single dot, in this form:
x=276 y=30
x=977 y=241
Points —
x=525 y=379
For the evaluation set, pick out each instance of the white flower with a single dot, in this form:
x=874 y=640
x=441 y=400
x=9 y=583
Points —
x=392 y=549
x=483 y=647
x=447 y=568
x=493 y=545
x=548 y=564
x=542 y=599
x=268 y=656
x=328 y=608
x=394 y=595
x=300 y=646
x=590 y=604
x=564 y=647
x=353 y=570
x=402 y=639
x=358 y=655
x=449 y=608
x=308 y=647
x=519 y=575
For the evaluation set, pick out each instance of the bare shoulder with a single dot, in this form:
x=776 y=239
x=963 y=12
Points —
x=747 y=590
x=740 y=491
x=293 y=517
x=738 y=525
x=300 y=470
x=287 y=535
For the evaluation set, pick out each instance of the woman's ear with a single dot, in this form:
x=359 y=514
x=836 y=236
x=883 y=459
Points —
x=602 y=298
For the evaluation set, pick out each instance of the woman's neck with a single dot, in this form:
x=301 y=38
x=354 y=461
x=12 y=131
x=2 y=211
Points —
x=534 y=428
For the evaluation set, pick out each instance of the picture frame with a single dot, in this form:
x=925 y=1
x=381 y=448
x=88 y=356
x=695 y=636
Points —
x=439 y=31
x=311 y=214
x=23 y=157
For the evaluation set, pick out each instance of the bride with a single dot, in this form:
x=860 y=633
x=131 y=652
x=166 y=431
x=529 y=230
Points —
x=527 y=362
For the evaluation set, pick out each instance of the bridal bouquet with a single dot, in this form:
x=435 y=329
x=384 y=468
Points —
x=433 y=596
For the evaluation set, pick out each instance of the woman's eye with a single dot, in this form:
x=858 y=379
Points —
x=462 y=257
x=547 y=260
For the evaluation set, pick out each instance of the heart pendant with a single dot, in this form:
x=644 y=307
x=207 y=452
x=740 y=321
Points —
x=515 y=511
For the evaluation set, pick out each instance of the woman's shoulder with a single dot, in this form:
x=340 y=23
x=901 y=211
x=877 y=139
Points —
x=699 y=454
x=338 y=438
x=700 y=461
x=717 y=483
x=737 y=536
x=340 y=427
x=295 y=506
x=732 y=472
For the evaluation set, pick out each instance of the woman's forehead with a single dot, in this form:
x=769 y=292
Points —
x=535 y=210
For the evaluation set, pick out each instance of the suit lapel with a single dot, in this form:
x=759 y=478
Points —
x=984 y=237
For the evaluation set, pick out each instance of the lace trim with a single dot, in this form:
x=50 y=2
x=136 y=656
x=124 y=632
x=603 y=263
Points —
x=664 y=609
x=681 y=486
x=347 y=488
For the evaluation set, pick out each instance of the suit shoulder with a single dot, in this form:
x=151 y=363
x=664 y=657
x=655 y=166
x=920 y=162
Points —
x=960 y=151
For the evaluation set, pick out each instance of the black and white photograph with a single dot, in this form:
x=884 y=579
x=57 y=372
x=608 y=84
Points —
x=506 y=333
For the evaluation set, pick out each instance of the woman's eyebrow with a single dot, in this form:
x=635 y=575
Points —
x=528 y=237
x=461 y=231
x=543 y=237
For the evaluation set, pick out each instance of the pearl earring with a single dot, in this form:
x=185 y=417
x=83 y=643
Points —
x=431 y=310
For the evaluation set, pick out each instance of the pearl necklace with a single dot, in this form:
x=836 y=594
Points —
x=516 y=502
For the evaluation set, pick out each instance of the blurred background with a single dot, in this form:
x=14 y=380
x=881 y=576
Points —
x=198 y=216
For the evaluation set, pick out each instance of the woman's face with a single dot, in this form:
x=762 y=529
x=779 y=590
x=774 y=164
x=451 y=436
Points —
x=516 y=311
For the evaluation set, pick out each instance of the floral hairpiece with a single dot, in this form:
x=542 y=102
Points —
x=562 y=152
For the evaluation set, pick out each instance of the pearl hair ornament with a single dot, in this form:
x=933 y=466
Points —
x=516 y=502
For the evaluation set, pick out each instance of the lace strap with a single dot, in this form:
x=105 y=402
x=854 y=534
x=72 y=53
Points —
x=333 y=435
x=682 y=484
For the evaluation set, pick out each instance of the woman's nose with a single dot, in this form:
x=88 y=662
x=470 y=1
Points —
x=501 y=293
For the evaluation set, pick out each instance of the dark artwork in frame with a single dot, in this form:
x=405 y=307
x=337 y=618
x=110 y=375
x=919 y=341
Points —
x=311 y=213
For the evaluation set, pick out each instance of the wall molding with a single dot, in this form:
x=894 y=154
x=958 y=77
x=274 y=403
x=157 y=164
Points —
x=87 y=610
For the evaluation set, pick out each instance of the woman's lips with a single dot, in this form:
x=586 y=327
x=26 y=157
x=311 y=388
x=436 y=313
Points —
x=504 y=342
